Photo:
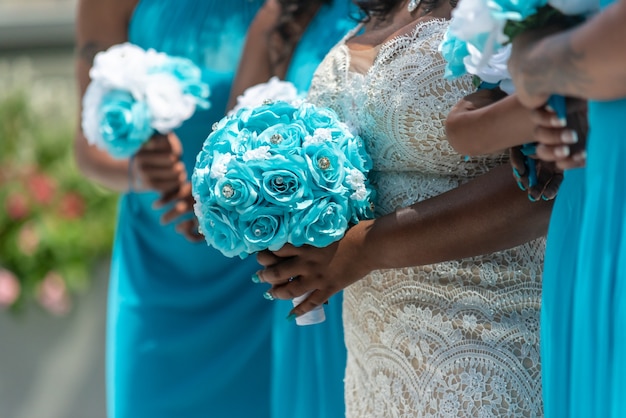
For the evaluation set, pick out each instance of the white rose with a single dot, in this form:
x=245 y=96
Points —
x=90 y=121
x=169 y=107
x=273 y=90
x=121 y=67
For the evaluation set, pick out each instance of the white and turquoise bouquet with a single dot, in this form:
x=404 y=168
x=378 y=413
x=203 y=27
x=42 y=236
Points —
x=280 y=173
x=478 y=42
x=135 y=93
x=478 y=38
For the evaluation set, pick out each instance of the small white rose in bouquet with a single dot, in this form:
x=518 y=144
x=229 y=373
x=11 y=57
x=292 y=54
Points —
x=134 y=93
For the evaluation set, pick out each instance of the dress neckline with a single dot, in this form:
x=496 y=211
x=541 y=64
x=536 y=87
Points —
x=377 y=51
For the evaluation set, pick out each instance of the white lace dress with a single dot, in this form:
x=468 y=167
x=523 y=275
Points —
x=455 y=339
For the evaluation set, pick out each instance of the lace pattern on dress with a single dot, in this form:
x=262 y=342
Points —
x=454 y=339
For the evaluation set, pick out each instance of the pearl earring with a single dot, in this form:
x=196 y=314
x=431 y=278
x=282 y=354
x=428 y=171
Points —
x=413 y=5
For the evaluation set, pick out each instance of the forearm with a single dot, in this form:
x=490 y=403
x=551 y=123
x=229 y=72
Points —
x=588 y=61
x=476 y=127
x=97 y=166
x=255 y=65
x=99 y=25
x=485 y=215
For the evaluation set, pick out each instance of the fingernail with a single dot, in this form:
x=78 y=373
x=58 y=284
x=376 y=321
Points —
x=558 y=122
x=549 y=108
x=569 y=136
x=267 y=295
x=255 y=278
x=531 y=198
x=521 y=185
x=581 y=156
x=291 y=317
x=562 y=151
x=516 y=173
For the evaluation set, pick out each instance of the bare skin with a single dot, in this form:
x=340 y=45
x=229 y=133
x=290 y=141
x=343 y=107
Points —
x=157 y=165
x=489 y=212
x=259 y=53
x=586 y=62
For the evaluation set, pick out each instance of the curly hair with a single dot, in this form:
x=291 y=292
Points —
x=382 y=8
x=288 y=29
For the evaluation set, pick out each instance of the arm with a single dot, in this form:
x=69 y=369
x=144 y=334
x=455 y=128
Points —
x=260 y=60
x=487 y=122
x=587 y=61
x=484 y=215
x=99 y=25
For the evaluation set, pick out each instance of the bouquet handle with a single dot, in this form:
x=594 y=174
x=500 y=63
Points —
x=316 y=316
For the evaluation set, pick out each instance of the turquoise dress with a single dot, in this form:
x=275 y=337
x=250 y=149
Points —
x=309 y=361
x=583 y=329
x=188 y=332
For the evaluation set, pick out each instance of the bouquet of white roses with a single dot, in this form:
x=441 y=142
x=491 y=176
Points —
x=280 y=173
x=134 y=93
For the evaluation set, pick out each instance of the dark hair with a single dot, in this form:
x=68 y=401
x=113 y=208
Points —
x=288 y=27
x=382 y=8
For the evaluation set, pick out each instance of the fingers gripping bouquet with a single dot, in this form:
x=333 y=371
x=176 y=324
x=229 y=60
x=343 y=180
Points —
x=134 y=93
x=280 y=173
x=478 y=42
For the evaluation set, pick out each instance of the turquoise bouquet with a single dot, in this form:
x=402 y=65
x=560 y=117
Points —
x=135 y=93
x=280 y=173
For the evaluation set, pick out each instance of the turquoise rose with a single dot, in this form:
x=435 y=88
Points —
x=516 y=10
x=316 y=117
x=321 y=224
x=265 y=228
x=124 y=123
x=354 y=149
x=326 y=164
x=284 y=181
x=202 y=184
x=237 y=189
x=222 y=231
x=265 y=116
x=284 y=137
x=189 y=76
x=454 y=51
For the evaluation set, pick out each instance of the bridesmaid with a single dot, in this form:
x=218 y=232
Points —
x=288 y=39
x=187 y=334
x=584 y=344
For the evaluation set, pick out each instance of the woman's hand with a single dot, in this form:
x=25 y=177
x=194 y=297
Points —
x=549 y=176
x=157 y=166
x=322 y=271
x=181 y=212
x=562 y=145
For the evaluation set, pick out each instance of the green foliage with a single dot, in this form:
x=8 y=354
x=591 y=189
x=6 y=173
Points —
x=53 y=222
x=545 y=16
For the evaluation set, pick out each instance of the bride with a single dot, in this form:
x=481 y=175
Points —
x=442 y=290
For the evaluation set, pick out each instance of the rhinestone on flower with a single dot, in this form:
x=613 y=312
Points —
x=228 y=191
x=323 y=163
x=279 y=180
x=214 y=127
x=268 y=101
x=276 y=139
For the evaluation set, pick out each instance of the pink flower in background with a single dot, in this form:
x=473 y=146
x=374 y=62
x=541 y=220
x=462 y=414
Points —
x=28 y=239
x=9 y=288
x=42 y=188
x=17 y=206
x=72 y=206
x=52 y=294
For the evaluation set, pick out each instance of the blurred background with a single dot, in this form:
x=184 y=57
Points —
x=55 y=227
